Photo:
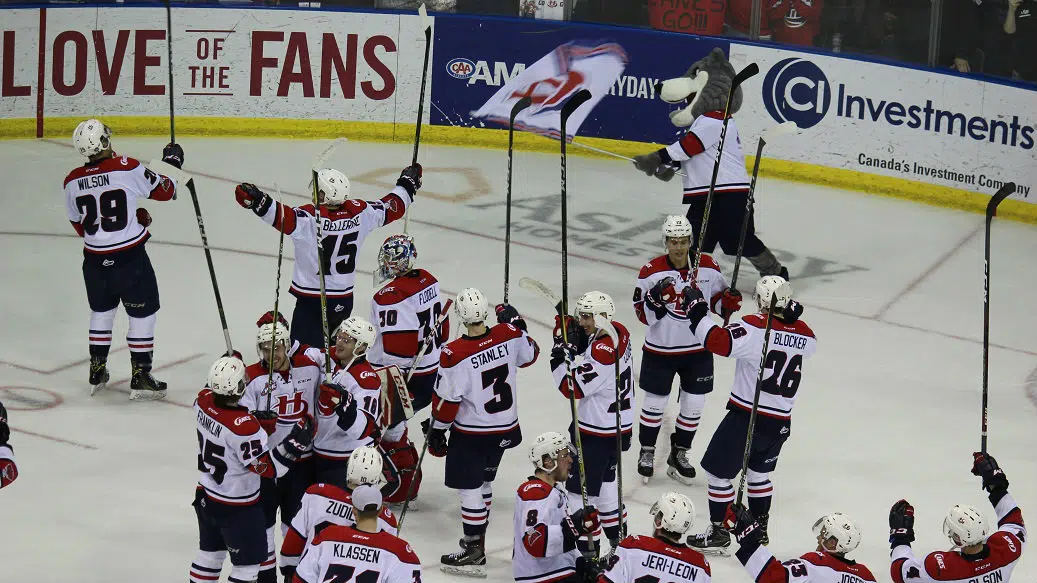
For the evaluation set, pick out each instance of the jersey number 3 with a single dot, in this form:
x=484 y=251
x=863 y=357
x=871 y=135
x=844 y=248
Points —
x=497 y=379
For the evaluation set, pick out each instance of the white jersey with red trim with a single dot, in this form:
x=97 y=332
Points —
x=292 y=396
x=646 y=558
x=403 y=312
x=367 y=390
x=789 y=345
x=478 y=380
x=344 y=230
x=595 y=374
x=342 y=428
x=324 y=505
x=343 y=553
x=812 y=567
x=697 y=153
x=8 y=468
x=994 y=564
x=671 y=334
x=230 y=443
x=101 y=200
x=540 y=554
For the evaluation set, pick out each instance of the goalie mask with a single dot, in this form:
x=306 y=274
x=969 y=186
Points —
x=395 y=258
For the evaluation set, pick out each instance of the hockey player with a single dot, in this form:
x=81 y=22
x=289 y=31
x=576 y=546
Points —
x=325 y=504
x=101 y=197
x=978 y=554
x=339 y=551
x=232 y=458
x=837 y=535
x=591 y=377
x=345 y=224
x=477 y=400
x=404 y=311
x=545 y=533
x=662 y=555
x=8 y=469
x=671 y=348
x=791 y=341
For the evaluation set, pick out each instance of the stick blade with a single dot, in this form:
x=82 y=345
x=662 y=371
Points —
x=578 y=99
x=166 y=169
x=1001 y=194
x=751 y=70
x=322 y=157
x=519 y=106
x=535 y=286
x=426 y=23
x=782 y=129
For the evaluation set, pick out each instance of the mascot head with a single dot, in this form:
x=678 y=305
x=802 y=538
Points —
x=704 y=87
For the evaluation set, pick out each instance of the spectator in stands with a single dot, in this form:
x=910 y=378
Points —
x=795 y=22
x=738 y=19
x=1021 y=27
x=974 y=31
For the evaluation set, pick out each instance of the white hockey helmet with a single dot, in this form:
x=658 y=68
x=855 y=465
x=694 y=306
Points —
x=271 y=331
x=92 y=137
x=676 y=226
x=547 y=444
x=674 y=513
x=227 y=377
x=769 y=286
x=471 y=306
x=595 y=302
x=965 y=525
x=334 y=185
x=396 y=256
x=842 y=528
x=358 y=329
x=364 y=467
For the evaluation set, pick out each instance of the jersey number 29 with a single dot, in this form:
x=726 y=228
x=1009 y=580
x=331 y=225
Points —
x=113 y=213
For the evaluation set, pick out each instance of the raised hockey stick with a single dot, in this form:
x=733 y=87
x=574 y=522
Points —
x=568 y=108
x=742 y=75
x=169 y=69
x=277 y=300
x=1002 y=193
x=756 y=396
x=426 y=24
x=613 y=333
x=781 y=129
x=316 y=164
x=558 y=304
x=515 y=110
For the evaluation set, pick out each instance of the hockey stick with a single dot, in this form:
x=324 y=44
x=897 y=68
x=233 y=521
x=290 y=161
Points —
x=742 y=75
x=277 y=300
x=426 y=24
x=613 y=154
x=558 y=304
x=515 y=110
x=1002 y=193
x=613 y=333
x=778 y=130
x=756 y=396
x=169 y=68
x=568 y=108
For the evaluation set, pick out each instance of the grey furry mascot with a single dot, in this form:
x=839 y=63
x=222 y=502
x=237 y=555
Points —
x=704 y=89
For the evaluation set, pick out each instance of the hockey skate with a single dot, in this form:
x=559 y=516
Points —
x=144 y=387
x=98 y=375
x=646 y=463
x=680 y=467
x=470 y=561
x=715 y=541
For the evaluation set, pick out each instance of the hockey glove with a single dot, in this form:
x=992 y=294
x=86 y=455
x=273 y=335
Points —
x=573 y=333
x=791 y=313
x=173 y=155
x=740 y=521
x=5 y=431
x=330 y=397
x=410 y=179
x=268 y=318
x=661 y=294
x=143 y=217
x=730 y=302
x=267 y=420
x=298 y=441
x=507 y=314
x=250 y=197
x=994 y=480
x=562 y=352
x=695 y=306
x=437 y=442
x=579 y=524
x=901 y=524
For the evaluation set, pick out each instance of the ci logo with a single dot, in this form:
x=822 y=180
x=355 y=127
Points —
x=797 y=90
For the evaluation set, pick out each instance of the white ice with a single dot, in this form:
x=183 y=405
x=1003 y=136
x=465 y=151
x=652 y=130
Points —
x=889 y=407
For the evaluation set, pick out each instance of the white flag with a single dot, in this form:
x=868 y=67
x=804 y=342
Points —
x=551 y=81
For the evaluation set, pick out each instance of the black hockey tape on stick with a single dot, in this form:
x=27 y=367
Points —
x=208 y=261
x=427 y=25
x=1002 y=193
x=169 y=68
x=756 y=395
x=515 y=110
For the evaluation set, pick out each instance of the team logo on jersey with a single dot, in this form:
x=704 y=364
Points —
x=291 y=407
x=797 y=90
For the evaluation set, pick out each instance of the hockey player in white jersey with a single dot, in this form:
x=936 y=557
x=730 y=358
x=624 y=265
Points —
x=545 y=532
x=377 y=556
x=671 y=349
x=791 y=342
x=8 y=469
x=405 y=311
x=102 y=199
x=345 y=224
x=661 y=556
x=978 y=553
x=476 y=400
x=592 y=379
x=702 y=93
x=326 y=504
x=837 y=535
x=233 y=456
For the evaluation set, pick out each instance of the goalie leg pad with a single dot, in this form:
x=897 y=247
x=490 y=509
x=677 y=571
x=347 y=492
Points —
x=403 y=457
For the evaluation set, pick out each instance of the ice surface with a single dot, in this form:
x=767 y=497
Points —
x=889 y=405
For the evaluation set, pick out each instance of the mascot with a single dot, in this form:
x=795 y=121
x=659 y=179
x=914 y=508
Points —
x=704 y=89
